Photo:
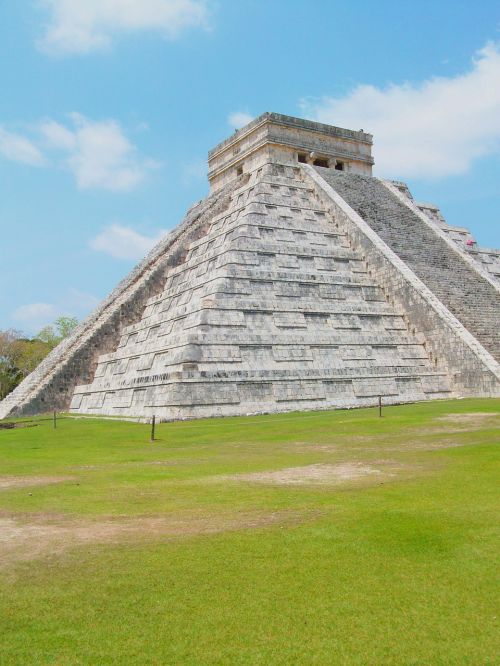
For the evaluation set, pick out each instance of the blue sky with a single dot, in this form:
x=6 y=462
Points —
x=108 y=108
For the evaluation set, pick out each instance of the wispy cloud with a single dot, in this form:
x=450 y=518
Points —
x=124 y=243
x=32 y=317
x=35 y=316
x=83 y=26
x=78 y=303
x=239 y=119
x=430 y=130
x=18 y=148
x=98 y=153
x=58 y=136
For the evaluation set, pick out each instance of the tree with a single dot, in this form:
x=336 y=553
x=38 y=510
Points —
x=60 y=329
x=9 y=372
x=65 y=326
x=48 y=336
x=28 y=354
x=20 y=355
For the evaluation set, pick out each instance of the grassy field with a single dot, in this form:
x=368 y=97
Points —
x=314 y=538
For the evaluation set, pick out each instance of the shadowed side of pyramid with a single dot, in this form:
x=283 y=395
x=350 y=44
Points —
x=472 y=296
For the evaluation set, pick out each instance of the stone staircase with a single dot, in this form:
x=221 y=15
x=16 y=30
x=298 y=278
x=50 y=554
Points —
x=272 y=309
x=473 y=300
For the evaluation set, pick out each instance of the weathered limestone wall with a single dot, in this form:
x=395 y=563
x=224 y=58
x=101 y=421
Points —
x=273 y=137
x=473 y=371
x=273 y=309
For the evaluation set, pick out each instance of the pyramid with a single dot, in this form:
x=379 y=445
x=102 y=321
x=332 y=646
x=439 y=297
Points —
x=300 y=282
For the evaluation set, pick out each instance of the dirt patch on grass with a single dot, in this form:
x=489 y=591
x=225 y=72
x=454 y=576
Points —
x=304 y=447
x=9 y=482
x=321 y=473
x=21 y=424
x=416 y=445
x=434 y=446
x=142 y=463
x=32 y=536
x=469 y=419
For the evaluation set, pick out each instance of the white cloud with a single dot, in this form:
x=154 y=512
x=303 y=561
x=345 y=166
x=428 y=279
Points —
x=82 y=26
x=78 y=303
x=58 y=136
x=19 y=149
x=430 y=130
x=124 y=243
x=98 y=153
x=238 y=119
x=35 y=315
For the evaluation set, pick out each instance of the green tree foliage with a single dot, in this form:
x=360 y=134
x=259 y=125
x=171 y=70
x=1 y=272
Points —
x=60 y=329
x=9 y=372
x=20 y=355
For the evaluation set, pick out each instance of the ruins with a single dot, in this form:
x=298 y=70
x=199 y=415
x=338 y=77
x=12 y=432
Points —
x=300 y=282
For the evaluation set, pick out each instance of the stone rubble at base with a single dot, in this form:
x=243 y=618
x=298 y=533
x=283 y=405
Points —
x=301 y=282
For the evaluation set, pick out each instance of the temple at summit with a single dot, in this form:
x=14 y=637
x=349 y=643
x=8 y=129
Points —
x=301 y=282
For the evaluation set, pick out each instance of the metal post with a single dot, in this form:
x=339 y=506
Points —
x=380 y=405
x=55 y=421
x=153 y=423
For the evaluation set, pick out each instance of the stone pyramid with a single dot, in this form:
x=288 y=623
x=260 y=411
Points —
x=301 y=282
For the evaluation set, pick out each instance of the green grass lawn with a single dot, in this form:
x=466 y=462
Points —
x=114 y=550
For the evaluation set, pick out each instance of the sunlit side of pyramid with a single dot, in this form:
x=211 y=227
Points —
x=301 y=282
